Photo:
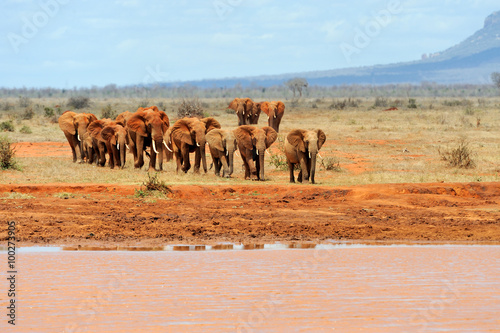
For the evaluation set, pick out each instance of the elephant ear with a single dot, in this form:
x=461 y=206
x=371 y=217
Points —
x=264 y=106
x=210 y=124
x=108 y=133
x=234 y=104
x=296 y=139
x=155 y=108
x=181 y=131
x=122 y=118
x=95 y=128
x=66 y=122
x=137 y=123
x=248 y=104
x=321 y=138
x=271 y=135
x=90 y=117
x=165 y=120
x=244 y=136
x=280 y=106
x=214 y=139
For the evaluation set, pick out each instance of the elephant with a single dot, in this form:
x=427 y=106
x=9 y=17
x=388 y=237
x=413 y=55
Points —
x=187 y=135
x=88 y=147
x=254 y=117
x=244 y=109
x=274 y=111
x=74 y=125
x=146 y=128
x=301 y=147
x=252 y=143
x=98 y=142
x=123 y=117
x=116 y=139
x=222 y=144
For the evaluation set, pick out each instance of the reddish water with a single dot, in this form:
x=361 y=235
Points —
x=375 y=289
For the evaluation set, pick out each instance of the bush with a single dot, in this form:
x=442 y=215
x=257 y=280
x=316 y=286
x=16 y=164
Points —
x=7 y=160
x=28 y=113
x=279 y=160
x=25 y=130
x=153 y=186
x=341 y=105
x=190 y=108
x=108 y=112
x=24 y=102
x=49 y=112
x=7 y=126
x=79 y=102
x=459 y=157
x=6 y=106
x=412 y=103
x=330 y=164
x=380 y=102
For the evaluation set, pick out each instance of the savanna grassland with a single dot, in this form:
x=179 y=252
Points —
x=382 y=176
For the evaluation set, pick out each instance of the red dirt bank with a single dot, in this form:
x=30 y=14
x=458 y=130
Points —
x=109 y=214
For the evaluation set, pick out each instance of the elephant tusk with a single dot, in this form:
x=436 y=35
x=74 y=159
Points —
x=310 y=155
x=126 y=145
x=275 y=116
x=170 y=150
x=197 y=144
x=268 y=153
x=320 y=156
x=257 y=152
x=238 y=153
x=154 y=147
x=117 y=146
x=227 y=153
x=78 y=137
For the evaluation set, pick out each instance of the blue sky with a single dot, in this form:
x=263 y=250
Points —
x=70 y=43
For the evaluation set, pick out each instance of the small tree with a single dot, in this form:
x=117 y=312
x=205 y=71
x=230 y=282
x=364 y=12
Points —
x=495 y=77
x=79 y=102
x=297 y=84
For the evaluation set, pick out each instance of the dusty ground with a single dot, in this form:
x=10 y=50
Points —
x=100 y=214
x=255 y=213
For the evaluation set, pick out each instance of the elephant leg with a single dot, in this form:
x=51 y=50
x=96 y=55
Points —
x=73 y=142
x=304 y=173
x=139 y=162
x=185 y=160
x=178 y=160
x=290 y=167
x=152 y=161
x=197 y=160
x=225 y=167
x=217 y=165
x=246 y=166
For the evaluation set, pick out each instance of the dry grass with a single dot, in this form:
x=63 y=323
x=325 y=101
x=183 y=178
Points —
x=368 y=144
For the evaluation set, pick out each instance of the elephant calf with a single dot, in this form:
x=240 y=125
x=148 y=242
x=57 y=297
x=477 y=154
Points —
x=301 y=147
x=222 y=144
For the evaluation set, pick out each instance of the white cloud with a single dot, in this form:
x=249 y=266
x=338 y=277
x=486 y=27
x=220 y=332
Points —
x=58 y=33
x=332 y=31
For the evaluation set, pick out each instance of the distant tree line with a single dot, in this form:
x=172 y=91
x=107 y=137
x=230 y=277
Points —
x=289 y=90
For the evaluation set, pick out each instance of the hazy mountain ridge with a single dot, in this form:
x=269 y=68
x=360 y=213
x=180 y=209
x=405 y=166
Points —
x=471 y=61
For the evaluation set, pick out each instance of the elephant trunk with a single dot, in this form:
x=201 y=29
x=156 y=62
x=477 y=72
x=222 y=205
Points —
x=123 y=152
x=230 y=155
x=313 y=167
x=203 y=156
x=261 y=153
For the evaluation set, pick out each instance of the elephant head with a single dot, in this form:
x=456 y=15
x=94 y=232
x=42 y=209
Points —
x=74 y=125
x=256 y=110
x=123 y=117
x=222 y=145
x=274 y=111
x=306 y=145
x=116 y=139
x=147 y=127
x=243 y=108
x=188 y=135
x=253 y=142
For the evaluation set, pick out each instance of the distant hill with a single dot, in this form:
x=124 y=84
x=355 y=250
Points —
x=471 y=61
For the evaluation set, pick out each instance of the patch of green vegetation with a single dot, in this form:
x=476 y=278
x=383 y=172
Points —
x=26 y=130
x=7 y=153
x=17 y=195
x=7 y=126
x=153 y=187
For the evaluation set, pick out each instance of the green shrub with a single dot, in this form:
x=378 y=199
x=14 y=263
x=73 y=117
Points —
x=7 y=153
x=25 y=130
x=49 y=112
x=380 y=102
x=79 y=102
x=330 y=164
x=24 y=102
x=7 y=126
x=412 y=103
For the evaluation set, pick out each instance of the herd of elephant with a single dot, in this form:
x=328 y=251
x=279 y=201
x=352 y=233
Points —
x=91 y=139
